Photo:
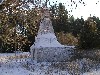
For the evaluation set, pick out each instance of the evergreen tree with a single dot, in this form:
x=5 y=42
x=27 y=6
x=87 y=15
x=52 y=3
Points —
x=77 y=26
x=59 y=17
x=89 y=36
x=71 y=24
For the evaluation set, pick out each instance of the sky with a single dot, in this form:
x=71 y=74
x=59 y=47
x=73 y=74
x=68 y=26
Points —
x=91 y=7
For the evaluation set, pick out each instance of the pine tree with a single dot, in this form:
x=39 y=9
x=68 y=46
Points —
x=59 y=17
x=88 y=36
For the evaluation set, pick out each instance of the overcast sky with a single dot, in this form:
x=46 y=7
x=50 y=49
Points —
x=91 y=7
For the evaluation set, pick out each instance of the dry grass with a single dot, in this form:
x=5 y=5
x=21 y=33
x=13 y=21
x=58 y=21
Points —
x=67 y=39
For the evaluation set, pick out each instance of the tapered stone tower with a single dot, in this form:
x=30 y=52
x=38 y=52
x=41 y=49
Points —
x=46 y=36
x=46 y=47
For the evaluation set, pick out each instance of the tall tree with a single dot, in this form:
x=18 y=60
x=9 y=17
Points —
x=17 y=24
x=77 y=27
x=89 y=36
x=59 y=17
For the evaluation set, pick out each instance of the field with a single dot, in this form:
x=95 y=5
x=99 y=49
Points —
x=22 y=64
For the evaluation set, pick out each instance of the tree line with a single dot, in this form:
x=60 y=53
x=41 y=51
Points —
x=86 y=31
x=18 y=27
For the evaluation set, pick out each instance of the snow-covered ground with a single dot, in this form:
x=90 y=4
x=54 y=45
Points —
x=21 y=64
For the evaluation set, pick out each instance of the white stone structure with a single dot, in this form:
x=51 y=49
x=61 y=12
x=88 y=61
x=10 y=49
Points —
x=46 y=36
x=46 y=46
